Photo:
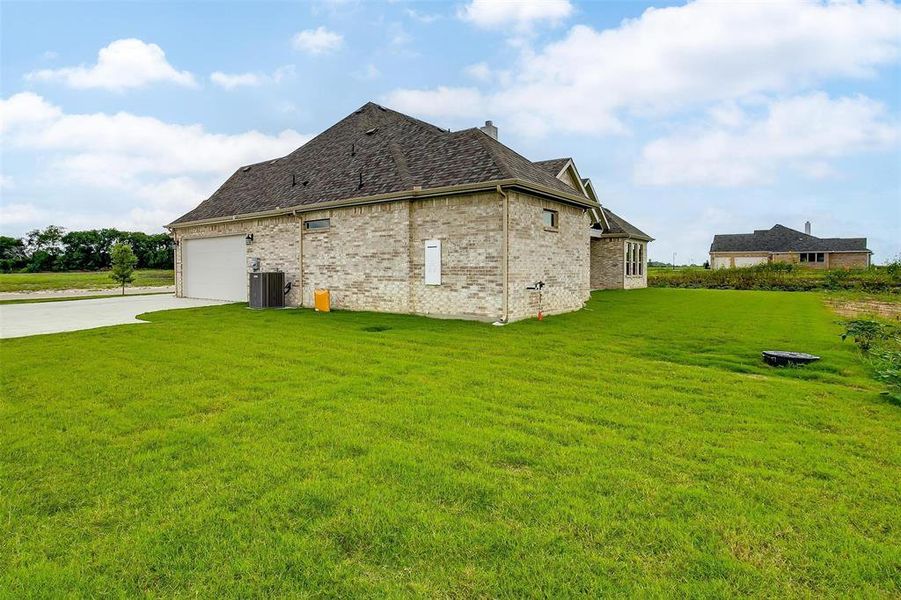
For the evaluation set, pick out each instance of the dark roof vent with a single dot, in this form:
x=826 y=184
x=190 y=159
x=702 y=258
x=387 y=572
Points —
x=245 y=169
x=360 y=185
x=371 y=131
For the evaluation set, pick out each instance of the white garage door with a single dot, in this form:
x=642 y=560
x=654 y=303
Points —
x=215 y=268
x=749 y=261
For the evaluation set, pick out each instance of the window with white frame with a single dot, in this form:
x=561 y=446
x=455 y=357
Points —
x=634 y=255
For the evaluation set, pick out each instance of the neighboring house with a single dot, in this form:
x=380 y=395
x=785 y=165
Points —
x=393 y=214
x=782 y=244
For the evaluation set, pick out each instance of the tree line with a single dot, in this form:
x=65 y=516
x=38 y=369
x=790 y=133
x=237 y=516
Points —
x=55 y=249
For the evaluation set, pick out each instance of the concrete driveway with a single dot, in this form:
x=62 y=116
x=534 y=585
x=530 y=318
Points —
x=18 y=320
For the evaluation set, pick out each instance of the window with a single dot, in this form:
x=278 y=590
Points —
x=551 y=219
x=813 y=257
x=634 y=259
x=317 y=224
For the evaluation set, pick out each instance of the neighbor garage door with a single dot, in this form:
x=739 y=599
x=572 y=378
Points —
x=215 y=268
x=749 y=261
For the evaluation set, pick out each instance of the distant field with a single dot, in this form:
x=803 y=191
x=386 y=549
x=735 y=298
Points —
x=878 y=280
x=636 y=448
x=81 y=280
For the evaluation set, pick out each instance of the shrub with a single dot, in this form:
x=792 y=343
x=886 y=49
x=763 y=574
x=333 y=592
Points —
x=865 y=332
x=781 y=276
x=881 y=343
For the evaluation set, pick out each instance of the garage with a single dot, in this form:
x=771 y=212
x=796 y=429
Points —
x=215 y=268
x=749 y=261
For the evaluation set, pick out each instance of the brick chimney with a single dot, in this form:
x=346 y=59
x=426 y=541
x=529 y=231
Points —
x=807 y=227
x=489 y=129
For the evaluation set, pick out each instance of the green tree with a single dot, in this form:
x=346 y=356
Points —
x=43 y=248
x=123 y=261
x=12 y=253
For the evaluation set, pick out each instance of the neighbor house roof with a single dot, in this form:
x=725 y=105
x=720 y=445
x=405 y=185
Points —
x=617 y=226
x=784 y=239
x=374 y=151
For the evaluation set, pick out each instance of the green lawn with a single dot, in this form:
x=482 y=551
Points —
x=638 y=447
x=80 y=280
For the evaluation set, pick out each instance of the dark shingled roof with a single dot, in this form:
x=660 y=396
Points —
x=554 y=165
x=386 y=150
x=619 y=227
x=784 y=239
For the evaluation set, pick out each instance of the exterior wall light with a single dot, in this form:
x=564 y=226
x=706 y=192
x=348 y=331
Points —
x=248 y=239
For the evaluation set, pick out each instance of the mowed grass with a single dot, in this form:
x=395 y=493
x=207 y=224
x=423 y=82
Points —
x=80 y=280
x=637 y=447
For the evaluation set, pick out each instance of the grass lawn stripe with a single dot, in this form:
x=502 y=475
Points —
x=637 y=447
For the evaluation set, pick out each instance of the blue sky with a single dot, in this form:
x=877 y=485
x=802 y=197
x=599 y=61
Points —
x=691 y=119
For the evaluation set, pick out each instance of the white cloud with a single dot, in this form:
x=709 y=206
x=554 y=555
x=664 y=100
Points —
x=134 y=144
x=7 y=182
x=233 y=80
x=675 y=58
x=480 y=71
x=230 y=81
x=802 y=133
x=317 y=41
x=426 y=18
x=517 y=13
x=18 y=214
x=454 y=103
x=128 y=63
x=154 y=169
x=24 y=109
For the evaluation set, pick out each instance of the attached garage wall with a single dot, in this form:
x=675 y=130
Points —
x=276 y=242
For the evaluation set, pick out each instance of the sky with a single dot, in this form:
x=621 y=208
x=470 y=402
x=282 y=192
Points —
x=691 y=119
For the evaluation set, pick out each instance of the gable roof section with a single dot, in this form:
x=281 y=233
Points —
x=372 y=152
x=784 y=239
x=560 y=166
x=619 y=227
x=554 y=165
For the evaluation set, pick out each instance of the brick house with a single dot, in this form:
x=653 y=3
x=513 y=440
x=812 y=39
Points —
x=393 y=214
x=783 y=244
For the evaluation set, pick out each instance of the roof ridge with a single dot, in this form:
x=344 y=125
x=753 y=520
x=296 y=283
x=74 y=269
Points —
x=496 y=156
x=406 y=117
x=401 y=161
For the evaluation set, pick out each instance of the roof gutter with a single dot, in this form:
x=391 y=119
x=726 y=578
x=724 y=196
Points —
x=413 y=194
